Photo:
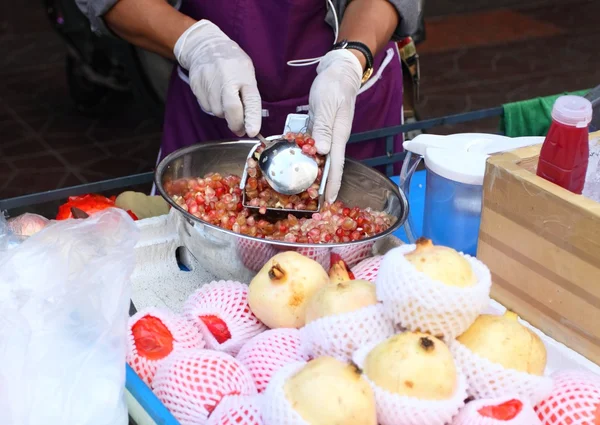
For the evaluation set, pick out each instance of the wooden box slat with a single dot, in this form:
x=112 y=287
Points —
x=542 y=245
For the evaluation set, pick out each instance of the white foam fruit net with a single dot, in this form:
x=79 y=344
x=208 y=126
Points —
x=268 y=352
x=227 y=301
x=575 y=399
x=341 y=335
x=418 y=303
x=276 y=409
x=368 y=268
x=193 y=382
x=254 y=254
x=237 y=410
x=354 y=254
x=488 y=379
x=470 y=415
x=183 y=334
x=394 y=409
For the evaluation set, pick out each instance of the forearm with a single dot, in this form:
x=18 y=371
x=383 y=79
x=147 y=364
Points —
x=150 y=24
x=371 y=22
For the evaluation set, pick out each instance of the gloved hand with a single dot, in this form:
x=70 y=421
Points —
x=221 y=76
x=331 y=109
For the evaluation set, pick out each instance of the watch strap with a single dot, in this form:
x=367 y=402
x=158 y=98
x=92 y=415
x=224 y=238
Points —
x=364 y=49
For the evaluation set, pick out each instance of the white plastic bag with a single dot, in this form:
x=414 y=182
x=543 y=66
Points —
x=64 y=298
x=8 y=239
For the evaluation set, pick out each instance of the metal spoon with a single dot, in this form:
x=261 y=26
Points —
x=286 y=168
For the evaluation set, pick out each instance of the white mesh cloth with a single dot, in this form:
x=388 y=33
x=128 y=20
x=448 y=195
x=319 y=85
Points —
x=418 y=303
x=193 y=382
x=470 y=415
x=368 y=268
x=268 y=352
x=183 y=334
x=394 y=409
x=276 y=409
x=341 y=335
x=237 y=410
x=254 y=254
x=227 y=301
x=491 y=380
x=353 y=254
x=574 y=400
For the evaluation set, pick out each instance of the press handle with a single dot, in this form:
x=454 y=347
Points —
x=409 y=166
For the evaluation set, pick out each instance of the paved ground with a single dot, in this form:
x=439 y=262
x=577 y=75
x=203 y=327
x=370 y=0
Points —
x=476 y=56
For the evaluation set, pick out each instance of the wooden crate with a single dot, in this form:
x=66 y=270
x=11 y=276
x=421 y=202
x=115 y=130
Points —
x=542 y=245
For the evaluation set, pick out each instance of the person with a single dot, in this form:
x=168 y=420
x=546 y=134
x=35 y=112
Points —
x=253 y=62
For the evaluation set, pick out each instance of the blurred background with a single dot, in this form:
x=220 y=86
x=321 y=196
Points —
x=60 y=125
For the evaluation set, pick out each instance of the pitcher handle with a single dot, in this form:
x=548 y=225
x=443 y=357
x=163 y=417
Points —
x=409 y=166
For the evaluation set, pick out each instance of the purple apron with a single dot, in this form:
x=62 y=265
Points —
x=273 y=32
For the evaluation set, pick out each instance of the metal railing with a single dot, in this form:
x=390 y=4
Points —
x=388 y=160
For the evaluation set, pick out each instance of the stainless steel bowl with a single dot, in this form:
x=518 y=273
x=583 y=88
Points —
x=238 y=257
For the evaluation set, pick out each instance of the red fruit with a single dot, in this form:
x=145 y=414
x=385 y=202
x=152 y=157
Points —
x=193 y=383
x=237 y=410
x=575 y=400
x=254 y=255
x=503 y=412
x=368 y=269
x=154 y=336
x=89 y=204
x=220 y=312
x=268 y=352
x=217 y=328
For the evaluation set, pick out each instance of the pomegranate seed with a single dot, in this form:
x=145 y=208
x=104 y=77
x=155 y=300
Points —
x=310 y=141
x=312 y=151
x=252 y=183
x=306 y=149
x=217 y=200
x=348 y=224
x=262 y=210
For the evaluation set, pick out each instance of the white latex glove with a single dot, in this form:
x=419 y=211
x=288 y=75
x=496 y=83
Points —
x=331 y=109
x=221 y=76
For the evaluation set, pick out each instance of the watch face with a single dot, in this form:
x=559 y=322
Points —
x=367 y=75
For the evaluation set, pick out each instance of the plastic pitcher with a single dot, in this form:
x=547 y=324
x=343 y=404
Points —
x=454 y=186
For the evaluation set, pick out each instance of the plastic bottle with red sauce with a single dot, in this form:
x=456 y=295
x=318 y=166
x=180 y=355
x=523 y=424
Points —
x=565 y=152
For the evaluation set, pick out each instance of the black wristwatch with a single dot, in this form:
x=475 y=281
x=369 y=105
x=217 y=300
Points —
x=364 y=49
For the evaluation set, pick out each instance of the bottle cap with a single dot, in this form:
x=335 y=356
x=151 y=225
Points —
x=574 y=111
